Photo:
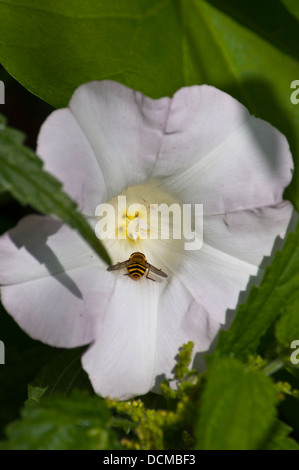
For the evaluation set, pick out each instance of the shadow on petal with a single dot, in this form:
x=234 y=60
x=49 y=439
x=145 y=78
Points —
x=36 y=244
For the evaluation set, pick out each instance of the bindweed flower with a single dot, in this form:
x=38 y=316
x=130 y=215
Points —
x=121 y=156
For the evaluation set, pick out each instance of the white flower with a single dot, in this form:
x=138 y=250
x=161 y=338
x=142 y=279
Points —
x=200 y=147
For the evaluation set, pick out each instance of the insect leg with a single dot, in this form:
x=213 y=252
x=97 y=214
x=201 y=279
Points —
x=149 y=277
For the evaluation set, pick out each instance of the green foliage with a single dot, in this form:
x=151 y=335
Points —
x=230 y=407
x=158 y=46
x=279 y=27
x=20 y=368
x=97 y=40
x=181 y=369
x=59 y=416
x=287 y=327
x=279 y=438
x=194 y=411
x=22 y=175
x=235 y=399
x=171 y=425
x=277 y=294
x=61 y=375
x=80 y=422
x=292 y=6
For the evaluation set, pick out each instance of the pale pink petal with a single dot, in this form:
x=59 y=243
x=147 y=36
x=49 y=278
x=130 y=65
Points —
x=144 y=328
x=200 y=119
x=53 y=285
x=249 y=235
x=231 y=257
x=220 y=156
x=121 y=363
x=107 y=139
x=182 y=319
x=214 y=279
x=68 y=155
x=124 y=129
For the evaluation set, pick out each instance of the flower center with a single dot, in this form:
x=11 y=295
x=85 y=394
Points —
x=142 y=218
x=133 y=226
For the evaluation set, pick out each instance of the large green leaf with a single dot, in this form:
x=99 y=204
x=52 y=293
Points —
x=80 y=422
x=287 y=327
x=279 y=438
x=22 y=175
x=72 y=42
x=157 y=46
x=62 y=375
x=278 y=293
x=20 y=368
x=279 y=28
x=293 y=7
x=237 y=408
x=222 y=52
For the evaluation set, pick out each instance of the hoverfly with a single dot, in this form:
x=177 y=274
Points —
x=136 y=266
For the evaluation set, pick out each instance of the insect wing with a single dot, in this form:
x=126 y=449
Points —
x=117 y=266
x=156 y=270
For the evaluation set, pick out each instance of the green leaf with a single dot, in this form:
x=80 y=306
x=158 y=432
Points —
x=237 y=409
x=23 y=176
x=60 y=45
x=34 y=395
x=278 y=291
x=61 y=375
x=78 y=422
x=19 y=369
x=292 y=6
x=279 y=438
x=287 y=327
x=158 y=46
x=279 y=28
x=223 y=51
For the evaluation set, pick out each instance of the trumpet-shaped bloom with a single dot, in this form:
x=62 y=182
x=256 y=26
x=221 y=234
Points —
x=199 y=147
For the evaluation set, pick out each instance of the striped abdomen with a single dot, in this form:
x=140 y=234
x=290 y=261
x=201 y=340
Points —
x=136 y=270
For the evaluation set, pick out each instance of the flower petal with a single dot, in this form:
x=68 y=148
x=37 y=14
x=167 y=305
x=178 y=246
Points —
x=200 y=119
x=137 y=346
x=124 y=129
x=69 y=157
x=215 y=279
x=232 y=254
x=249 y=235
x=208 y=150
x=121 y=363
x=55 y=299
x=182 y=319
x=223 y=158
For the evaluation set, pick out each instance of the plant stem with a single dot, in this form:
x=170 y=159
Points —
x=273 y=366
